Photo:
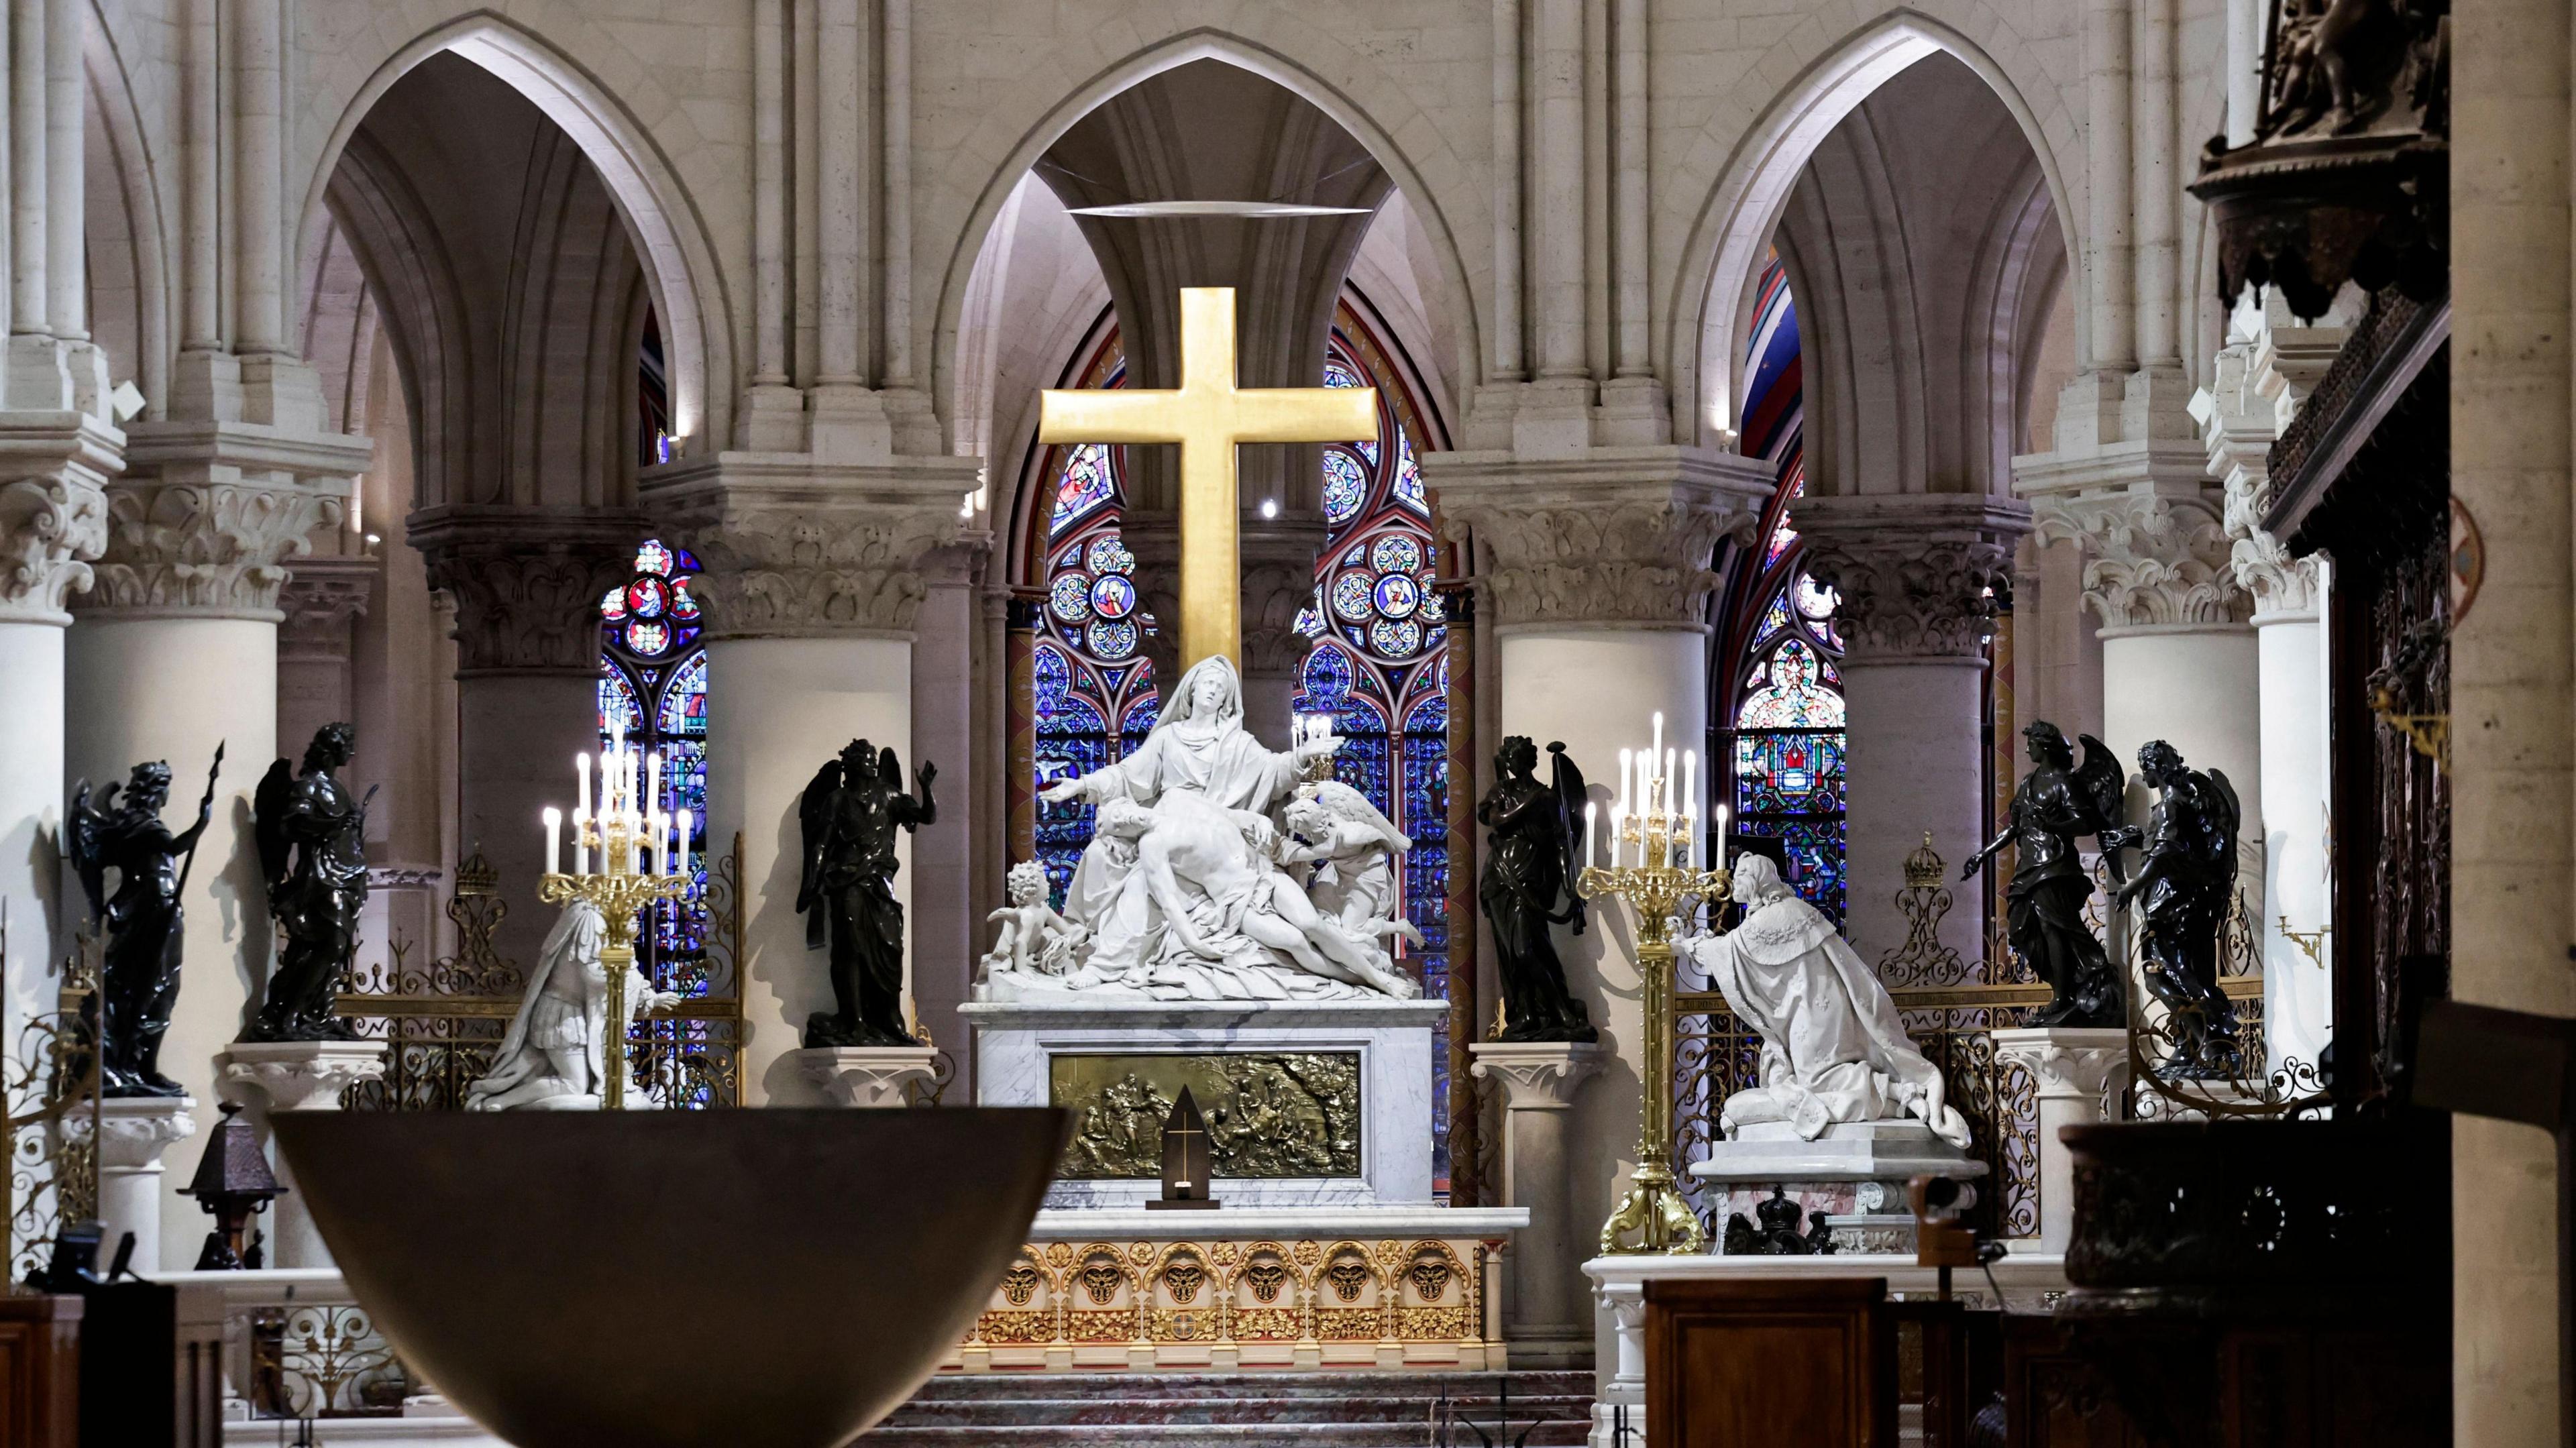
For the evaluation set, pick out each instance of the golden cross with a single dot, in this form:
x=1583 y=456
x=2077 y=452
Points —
x=1208 y=416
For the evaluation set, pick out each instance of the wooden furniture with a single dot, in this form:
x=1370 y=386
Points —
x=1766 y=1364
x=39 y=1370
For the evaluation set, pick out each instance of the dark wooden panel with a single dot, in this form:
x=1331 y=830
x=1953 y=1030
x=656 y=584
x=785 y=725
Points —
x=1768 y=1364
x=39 y=1370
x=2053 y=1398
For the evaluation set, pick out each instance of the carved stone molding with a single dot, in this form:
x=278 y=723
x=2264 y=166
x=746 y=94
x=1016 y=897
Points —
x=135 y=1130
x=526 y=584
x=1609 y=537
x=2256 y=387
x=320 y=601
x=1536 y=1075
x=799 y=549
x=300 y=1075
x=54 y=468
x=2076 y=1065
x=2152 y=528
x=209 y=515
x=1919 y=576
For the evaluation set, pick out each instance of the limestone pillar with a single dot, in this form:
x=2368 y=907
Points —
x=175 y=652
x=2513 y=702
x=1278 y=580
x=1918 y=577
x=813 y=591
x=2178 y=657
x=53 y=517
x=315 y=682
x=526 y=584
x=1596 y=579
x=1547 y=1320
x=947 y=931
x=134 y=1132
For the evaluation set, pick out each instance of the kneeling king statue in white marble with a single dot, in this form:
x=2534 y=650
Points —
x=551 y=1057
x=1186 y=892
x=1833 y=1049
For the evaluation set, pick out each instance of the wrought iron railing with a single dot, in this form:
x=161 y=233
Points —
x=445 y=1020
x=49 y=1128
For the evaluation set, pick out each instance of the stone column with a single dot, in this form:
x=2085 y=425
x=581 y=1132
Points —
x=1918 y=575
x=133 y=1133
x=2076 y=1072
x=946 y=929
x=2178 y=657
x=53 y=517
x=1278 y=580
x=314 y=682
x=526 y=584
x=813 y=589
x=175 y=652
x=1546 y=1321
x=1595 y=574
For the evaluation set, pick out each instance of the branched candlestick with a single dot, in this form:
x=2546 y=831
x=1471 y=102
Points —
x=621 y=830
x=1659 y=879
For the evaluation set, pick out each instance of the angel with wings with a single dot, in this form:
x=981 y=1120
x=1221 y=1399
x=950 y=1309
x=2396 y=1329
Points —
x=2057 y=803
x=852 y=815
x=145 y=925
x=313 y=853
x=1534 y=837
x=2187 y=878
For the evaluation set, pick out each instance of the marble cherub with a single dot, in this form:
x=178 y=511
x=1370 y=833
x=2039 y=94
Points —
x=1034 y=938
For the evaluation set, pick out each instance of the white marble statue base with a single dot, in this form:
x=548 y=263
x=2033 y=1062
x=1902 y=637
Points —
x=1856 y=1174
x=1015 y=1042
x=272 y=1076
x=866 y=1077
x=133 y=1133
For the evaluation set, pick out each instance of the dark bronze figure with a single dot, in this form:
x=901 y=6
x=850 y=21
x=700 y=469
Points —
x=313 y=853
x=1533 y=841
x=144 y=921
x=850 y=815
x=2057 y=803
x=2186 y=879
x=1778 y=1235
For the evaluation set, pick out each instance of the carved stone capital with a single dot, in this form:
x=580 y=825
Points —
x=526 y=583
x=2152 y=528
x=209 y=515
x=301 y=1075
x=867 y=1077
x=54 y=469
x=320 y=602
x=2070 y=1064
x=1613 y=536
x=2283 y=587
x=2256 y=387
x=135 y=1130
x=1278 y=581
x=1918 y=575
x=799 y=549
x=1536 y=1075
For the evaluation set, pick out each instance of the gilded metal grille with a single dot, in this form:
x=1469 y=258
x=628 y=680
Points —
x=48 y=1114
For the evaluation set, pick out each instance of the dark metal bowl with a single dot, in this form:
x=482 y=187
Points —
x=756 y=1278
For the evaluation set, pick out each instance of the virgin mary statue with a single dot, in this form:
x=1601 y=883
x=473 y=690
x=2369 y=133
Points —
x=1833 y=1049
x=550 y=1058
x=1199 y=746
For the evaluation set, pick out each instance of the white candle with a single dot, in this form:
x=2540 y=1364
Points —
x=1627 y=759
x=661 y=843
x=554 y=840
x=1591 y=836
x=581 y=801
x=653 y=785
x=1658 y=751
x=1690 y=828
x=1668 y=782
x=1690 y=782
x=1618 y=818
x=683 y=834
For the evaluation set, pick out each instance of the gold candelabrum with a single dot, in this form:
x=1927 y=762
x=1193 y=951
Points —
x=1653 y=868
x=621 y=829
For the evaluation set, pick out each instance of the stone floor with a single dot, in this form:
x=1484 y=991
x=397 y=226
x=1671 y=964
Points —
x=1242 y=1410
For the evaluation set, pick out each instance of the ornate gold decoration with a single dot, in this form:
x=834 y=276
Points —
x=1269 y=1114
x=1021 y=1283
x=2310 y=942
x=1209 y=416
x=1184 y=1278
x=1430 y=1277
x=322 y=1362
x=2429 y=734
x=1101 y=1278
x=1923 y=959
x=1348 y=1276
x=48 y=1082
x=1654 y=1208
x=1266 y=1277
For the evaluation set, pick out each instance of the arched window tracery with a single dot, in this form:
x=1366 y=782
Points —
x=653 y=677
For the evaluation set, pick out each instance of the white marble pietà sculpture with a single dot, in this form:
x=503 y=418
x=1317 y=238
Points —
x=1189 y=888
x=550 y=1057
x=1833 y=1050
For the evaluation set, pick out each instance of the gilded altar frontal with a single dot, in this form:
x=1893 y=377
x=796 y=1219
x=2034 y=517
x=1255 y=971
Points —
x=1285 y=1114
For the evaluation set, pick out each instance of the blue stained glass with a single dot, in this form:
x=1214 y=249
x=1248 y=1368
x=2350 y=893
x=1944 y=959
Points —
x=618 y=708
x=1408 y=479
x=1351 y=600
x=1396 y=638
x=653 y=690
x=1398 y=595
x=1069 y=597
x=1395 y=553
x=684 y=700
x=1345 y=486
x=1088 y=483
x=1111 y=640
x=1113 y=595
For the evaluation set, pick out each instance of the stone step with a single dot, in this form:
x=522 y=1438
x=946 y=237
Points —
x=1266 y=1409
x=1553 y=1434
x=1279 y=1383
x=1280 y=1409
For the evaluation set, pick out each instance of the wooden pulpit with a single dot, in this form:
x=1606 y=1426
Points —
x=1749 y=1364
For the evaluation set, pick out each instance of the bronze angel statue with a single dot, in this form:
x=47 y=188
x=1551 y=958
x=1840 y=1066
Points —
x=851 y=816
x=2187 y=878
x=2058 y=803
x=144 y=921
x=312 y=838
x=1533 y=846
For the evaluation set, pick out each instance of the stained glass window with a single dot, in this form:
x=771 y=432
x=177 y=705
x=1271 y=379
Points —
x=653 y=678
x=1778 y=683
x=1377 y=662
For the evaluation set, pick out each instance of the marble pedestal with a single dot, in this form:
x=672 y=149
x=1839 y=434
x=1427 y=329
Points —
x=133 y=1133
x=1030 y=1054
x=2076 y=1073
x=274 y=1076
x=1856 y=1174
x=1544 y=1316
x=867 y=1077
